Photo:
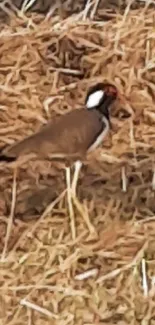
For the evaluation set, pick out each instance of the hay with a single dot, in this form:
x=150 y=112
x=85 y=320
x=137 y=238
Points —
x=105 y=273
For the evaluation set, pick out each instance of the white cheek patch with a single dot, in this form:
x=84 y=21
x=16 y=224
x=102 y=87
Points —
x=94 y=99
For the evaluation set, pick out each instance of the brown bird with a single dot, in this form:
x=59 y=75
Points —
x=72 y=135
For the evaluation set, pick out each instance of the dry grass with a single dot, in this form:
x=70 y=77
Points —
x=100 y=268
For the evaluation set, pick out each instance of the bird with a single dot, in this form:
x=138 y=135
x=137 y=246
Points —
x=72 y=135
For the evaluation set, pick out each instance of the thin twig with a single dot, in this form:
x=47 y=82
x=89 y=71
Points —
x=87 y=274
x=48 y=210
x=84 y=213
x=144 y=278
x=124 y=180
x=126 y=267
x=10 y=219
x=41 y=310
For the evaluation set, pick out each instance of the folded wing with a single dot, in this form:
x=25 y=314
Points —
x=66 y=135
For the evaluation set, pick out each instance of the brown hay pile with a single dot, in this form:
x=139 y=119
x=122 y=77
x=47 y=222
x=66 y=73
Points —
x=68 y=7
x=46 y=67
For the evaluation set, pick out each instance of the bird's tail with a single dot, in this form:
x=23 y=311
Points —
x=4 y=157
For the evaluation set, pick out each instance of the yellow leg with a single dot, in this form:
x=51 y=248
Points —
x=78 y=165
x=70 y=206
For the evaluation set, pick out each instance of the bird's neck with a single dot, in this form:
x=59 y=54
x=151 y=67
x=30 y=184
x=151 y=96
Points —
x=104 y=108
x=104 y=111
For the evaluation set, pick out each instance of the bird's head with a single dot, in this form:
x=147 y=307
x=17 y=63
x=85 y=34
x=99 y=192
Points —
x=100 y=97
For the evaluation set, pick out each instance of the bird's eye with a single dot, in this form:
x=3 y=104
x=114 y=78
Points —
x=111 y=91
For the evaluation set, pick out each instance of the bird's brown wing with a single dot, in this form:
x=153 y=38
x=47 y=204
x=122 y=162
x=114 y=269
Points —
x=68 y=134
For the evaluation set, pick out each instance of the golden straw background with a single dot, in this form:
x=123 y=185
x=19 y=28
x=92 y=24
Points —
x=102 y=271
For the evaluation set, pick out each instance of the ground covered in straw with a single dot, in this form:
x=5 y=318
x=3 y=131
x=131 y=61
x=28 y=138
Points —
x=99 y=267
